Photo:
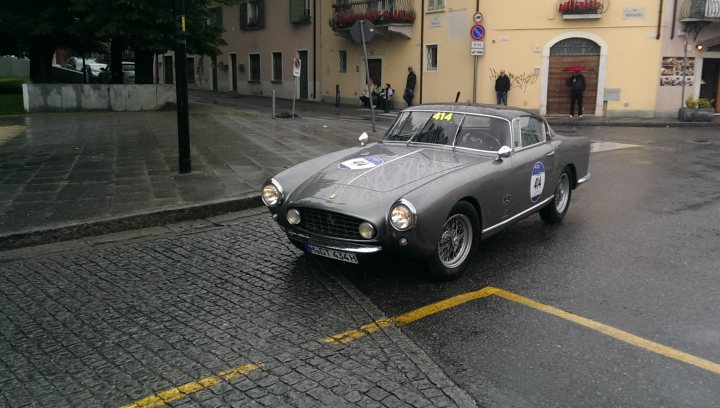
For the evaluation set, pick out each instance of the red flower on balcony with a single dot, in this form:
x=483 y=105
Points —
x=581 y=7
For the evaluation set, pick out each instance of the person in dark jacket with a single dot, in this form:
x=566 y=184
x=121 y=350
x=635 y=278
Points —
x=409 y=86
x=502 y=86
x=576 y=82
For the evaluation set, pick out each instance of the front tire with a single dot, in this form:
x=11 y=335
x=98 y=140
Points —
x=554 y=212
x=457 y=243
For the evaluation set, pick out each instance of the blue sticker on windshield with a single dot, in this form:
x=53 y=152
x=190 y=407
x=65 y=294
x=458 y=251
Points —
x=537 y=181
x=361 y=163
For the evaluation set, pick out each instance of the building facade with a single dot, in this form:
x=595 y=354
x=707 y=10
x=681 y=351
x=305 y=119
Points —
x=626 y=49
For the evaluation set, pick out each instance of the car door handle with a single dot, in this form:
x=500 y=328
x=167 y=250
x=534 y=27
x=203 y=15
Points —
x=552 y=153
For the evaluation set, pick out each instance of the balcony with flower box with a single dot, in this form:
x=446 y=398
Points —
x=390 y=17
x=581 y=9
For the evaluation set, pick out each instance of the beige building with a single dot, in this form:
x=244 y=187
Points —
x=457 y=48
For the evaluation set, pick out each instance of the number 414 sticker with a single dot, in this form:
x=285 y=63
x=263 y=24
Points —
x=442 y=116
x=537 y=181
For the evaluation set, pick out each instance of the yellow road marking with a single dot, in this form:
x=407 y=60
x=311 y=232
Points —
x=437 y=307
x=409 y=317
x=615 y=333
x=186 y=389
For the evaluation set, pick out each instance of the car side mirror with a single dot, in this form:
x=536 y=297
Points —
x=363 y=139
x=504 y=152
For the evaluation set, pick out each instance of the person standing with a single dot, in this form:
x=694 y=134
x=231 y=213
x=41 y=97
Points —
x=502 y=86
x=386 y=97
x=576 y=82
x=409 y=86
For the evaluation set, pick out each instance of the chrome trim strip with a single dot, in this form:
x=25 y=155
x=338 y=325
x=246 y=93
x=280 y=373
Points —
x=319 y=242
x=531 y=209
x=584 y=179
x=384 y=163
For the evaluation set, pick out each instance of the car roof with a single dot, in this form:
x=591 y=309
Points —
x=508 y=113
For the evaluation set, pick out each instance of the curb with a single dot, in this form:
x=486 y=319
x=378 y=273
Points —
x=589 y=123
x=65 y=232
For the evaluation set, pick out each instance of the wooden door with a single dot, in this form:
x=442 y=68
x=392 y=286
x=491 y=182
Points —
x=375 y=67
x=558 y=97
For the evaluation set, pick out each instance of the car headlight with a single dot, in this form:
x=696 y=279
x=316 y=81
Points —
x=293 y=216
x=402 y=216
x=272 y=193
x=366 y=230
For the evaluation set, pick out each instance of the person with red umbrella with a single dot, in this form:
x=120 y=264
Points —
x=576 y=82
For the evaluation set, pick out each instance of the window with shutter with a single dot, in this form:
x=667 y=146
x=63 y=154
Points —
x=299 y=11
x=252 y=14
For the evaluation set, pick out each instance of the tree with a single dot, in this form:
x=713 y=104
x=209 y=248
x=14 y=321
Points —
x=146 y=27
x=34 y=29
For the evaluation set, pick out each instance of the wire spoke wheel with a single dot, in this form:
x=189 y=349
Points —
x=562 y=193
x=456 y=241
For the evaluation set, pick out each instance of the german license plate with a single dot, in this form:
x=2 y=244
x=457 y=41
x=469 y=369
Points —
x=332 y=254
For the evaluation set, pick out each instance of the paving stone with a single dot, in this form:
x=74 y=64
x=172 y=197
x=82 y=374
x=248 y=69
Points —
x=112 y=324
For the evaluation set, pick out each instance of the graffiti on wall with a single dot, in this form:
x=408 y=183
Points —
x=517 y=81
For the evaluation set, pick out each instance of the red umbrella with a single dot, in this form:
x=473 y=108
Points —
x=575 y=68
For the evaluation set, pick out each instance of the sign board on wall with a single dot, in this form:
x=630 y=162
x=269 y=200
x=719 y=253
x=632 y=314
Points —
x=297 y=66
x=634 y=13
x=611 y=94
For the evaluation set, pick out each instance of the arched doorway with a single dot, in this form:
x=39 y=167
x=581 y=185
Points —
x=573 y=51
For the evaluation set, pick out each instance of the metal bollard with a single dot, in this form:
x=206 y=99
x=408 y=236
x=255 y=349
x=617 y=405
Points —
x=273 y=103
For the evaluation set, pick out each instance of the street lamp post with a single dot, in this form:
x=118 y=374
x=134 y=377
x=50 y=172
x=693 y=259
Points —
x=181 y=88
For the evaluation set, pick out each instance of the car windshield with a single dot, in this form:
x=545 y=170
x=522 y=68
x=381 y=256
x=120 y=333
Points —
x=128 y=67
x=425 y=127
x=473 y=131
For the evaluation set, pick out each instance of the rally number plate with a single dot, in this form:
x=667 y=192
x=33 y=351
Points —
x=332 y=254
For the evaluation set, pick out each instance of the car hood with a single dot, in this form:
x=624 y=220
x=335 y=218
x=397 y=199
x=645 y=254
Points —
x=381 y=168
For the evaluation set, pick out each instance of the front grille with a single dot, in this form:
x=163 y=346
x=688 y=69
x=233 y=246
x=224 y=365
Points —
x=330 y=224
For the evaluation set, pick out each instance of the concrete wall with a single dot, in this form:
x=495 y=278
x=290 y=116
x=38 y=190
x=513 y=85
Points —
x=79 y=97
x=14 y=67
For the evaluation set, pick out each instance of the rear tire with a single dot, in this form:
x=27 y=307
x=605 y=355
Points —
x=457 y=243
x=554 y=212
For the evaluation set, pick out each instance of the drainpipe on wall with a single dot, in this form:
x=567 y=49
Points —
x=657 y=37
x=674 y=17
x=314 y=13
x=422 y=47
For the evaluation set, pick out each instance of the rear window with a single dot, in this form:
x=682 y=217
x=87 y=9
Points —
x=128 y=67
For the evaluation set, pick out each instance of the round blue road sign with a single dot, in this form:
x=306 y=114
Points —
x=477 y=32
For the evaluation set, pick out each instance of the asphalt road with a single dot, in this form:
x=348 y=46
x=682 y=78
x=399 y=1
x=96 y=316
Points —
x=638 y=253
x=616 y=306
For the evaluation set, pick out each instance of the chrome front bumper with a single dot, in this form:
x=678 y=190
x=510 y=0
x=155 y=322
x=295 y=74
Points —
x=333 y=244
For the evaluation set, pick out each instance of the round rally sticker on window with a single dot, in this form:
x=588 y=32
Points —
x=537 y=181
x=361 y=163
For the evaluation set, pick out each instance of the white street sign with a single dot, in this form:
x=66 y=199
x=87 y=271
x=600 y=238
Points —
x=478 y=17
x=477 y=44
x=477 y=51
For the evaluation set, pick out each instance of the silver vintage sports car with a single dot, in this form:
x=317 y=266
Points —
x=443 y=178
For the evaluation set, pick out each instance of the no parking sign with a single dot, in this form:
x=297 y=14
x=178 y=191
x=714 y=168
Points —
x=477 y=32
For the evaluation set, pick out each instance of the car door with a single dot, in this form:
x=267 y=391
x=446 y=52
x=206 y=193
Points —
x=533 y=161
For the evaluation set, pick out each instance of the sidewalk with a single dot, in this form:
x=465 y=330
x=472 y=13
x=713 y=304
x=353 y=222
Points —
x=69 y=175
